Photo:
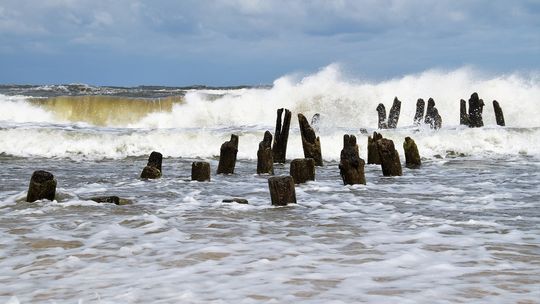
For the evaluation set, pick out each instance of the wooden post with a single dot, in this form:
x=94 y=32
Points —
x=310 y=142
x=412 y=156
x=351 y=166
x=373 y=154
x=200 y=171
x=227 y=156
x=381 y=111
x=390 y=164
x=281 y=136
x=419 y=115
x=153 y=168
x=436 y=121
x=499 y=116
x=476 y=106
x=393 y=116
x=265 y=158
x=42 y=186
x=463 y=116
x=282 y=190
x=303 y=170
x=433 y=119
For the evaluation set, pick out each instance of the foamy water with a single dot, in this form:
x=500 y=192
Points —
x=465 y=228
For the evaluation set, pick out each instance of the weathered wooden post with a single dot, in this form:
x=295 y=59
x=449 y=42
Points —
x=373 y=154
x=433 y=119
x=476 y=106
x=419 y=115
x=463 y=116
x=42 y=186
x=390 y=164
x=200 y=171
x=265 y=158
x=393 y=116
x=227 y=156
x=499 y=116
x=153 y=168
x=303 y=170
x=436 y=121
x=412 y=156
x=429 y=111
x=282 y=190
x=281 y=136
x=381 y=111
x=310 y=142
x=351 y=166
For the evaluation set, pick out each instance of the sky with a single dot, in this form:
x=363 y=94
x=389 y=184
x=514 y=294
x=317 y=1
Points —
x=253 y=42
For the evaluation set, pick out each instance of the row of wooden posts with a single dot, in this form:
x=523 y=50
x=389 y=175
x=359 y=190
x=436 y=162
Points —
x=273 y=150
x=282 y=188
x=471 y=118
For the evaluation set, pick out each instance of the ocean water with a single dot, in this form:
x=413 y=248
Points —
x=465 y=228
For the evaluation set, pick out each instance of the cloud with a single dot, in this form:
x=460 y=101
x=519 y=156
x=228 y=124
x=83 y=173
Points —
x=377 y=35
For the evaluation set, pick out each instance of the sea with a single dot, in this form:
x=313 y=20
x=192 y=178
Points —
x=463 y=228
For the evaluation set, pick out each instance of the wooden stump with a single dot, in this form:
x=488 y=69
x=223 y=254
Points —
x=310 y=142
x=227 y=156
x=393 y=116
x=433 y=119
x=237 y=200
x=303 y=170
x=42 y=186
x=381 y=111
x=153 y=168
x=419 y=115
x=351 y=166
x=429 y=111
x=390 y=164
x=106 y=199
x=476 y=106
x=150 y=172
x=281 y=136
x=155 y=160
x=200 y=171
x=282 y=190
x=499 y=117
x=265 y=157
x=412 y=156
x=373 y=153
x=463 y=116
x=436 y=121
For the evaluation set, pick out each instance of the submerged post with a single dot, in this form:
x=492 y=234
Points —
x=390 y=163
x=419 y=115
x=282 y=190
x=499 y=116
x=381 y=111
x=476 y=106
x=200 y=171
x=265 y=159
x=373 y=153
x=227 y=156
x=393 y=116
x=303 y=170
x=311 y=143
x=351 y=166
x=281 y=136
x=42 y=186
x=412 y=156
x=153 y=167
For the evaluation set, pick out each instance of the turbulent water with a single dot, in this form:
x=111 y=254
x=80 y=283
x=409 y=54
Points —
x=465 y=228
